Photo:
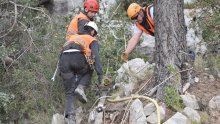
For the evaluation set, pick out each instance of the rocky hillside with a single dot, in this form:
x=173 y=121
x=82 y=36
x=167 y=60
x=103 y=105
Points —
x=198 y=104
x=31 y=38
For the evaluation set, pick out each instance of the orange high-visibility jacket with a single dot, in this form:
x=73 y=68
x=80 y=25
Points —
x=73 y=26
x=150 y=22
x=84 y=41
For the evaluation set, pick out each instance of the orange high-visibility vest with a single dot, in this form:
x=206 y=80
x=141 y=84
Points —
x=73 y=26
x=84 y=41
x=150 y=22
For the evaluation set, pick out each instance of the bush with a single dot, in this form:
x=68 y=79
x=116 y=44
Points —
x=172 y=99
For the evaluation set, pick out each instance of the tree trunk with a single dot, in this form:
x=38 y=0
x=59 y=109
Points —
x=170 y=36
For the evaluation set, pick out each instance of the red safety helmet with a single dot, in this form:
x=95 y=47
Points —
x=91 y=5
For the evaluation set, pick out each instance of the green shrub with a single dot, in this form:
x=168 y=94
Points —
x=172 y=99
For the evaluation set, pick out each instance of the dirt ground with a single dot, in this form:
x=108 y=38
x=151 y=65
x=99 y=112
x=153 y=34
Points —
x=205 y=90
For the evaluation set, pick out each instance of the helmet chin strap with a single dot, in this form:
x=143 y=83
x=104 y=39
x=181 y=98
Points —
x=142 y=13
x=86 y=13
x=95 y=33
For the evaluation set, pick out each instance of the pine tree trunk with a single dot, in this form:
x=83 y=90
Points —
x=170 y=44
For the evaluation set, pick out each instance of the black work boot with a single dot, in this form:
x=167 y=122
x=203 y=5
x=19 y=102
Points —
x=79 y=91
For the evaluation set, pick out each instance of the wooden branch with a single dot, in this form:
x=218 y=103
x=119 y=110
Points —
x=18 y=57
x=115 y=11
x=107 y=68
x=117 y=113
x=125 y=115
x=113 y=34
x=154 y=89
x=125 y=41
x=144 y=85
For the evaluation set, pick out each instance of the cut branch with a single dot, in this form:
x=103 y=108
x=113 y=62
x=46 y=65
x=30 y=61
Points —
x=153 y=90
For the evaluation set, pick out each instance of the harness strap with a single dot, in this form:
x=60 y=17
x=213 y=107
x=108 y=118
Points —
x=71 y=50
x=150 y=20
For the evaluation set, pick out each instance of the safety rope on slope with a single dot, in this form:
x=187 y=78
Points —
x=138 y=97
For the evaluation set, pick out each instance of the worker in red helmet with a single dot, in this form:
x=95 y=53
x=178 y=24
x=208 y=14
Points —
x=91 y=7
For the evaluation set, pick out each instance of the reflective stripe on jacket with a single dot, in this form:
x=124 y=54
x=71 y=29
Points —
x=73 y=26
x=149 y=21
x=84 y=41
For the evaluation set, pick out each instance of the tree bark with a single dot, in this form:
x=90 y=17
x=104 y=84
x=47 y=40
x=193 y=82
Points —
x=170 y=36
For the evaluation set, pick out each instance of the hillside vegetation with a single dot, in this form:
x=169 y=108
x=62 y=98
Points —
x=30 y=43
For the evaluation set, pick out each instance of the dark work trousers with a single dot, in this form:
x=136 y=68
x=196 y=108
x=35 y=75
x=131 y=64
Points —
x=74 y=70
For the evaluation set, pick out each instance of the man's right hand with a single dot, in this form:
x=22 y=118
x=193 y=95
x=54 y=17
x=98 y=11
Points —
x=124 y=56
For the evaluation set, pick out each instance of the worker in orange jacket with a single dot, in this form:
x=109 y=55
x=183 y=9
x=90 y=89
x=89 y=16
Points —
x=79 y=57
x=91 y=8
x=143 y=17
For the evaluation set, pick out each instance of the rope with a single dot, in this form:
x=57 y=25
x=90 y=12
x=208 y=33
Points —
x=137 y=97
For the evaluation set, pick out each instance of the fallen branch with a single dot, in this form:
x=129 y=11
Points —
x=143 y=85
x=153 y=90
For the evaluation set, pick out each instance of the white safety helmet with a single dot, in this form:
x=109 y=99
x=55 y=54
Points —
x=92 y=25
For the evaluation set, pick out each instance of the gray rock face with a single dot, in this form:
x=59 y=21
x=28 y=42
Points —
x=153 y=117
x=215 y=103
x=192 y=114
x=58 y=119
x=137 y=113
x=190 y=101
x=178 y=118
x=131 y=73
x=79 y=115
x=149 y=109
x=214 y=106
x=214 y=110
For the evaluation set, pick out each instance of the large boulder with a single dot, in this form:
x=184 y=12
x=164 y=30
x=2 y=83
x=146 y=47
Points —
x=131 y=73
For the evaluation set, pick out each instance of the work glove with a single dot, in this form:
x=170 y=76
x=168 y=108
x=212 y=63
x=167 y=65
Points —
x=124 y=56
